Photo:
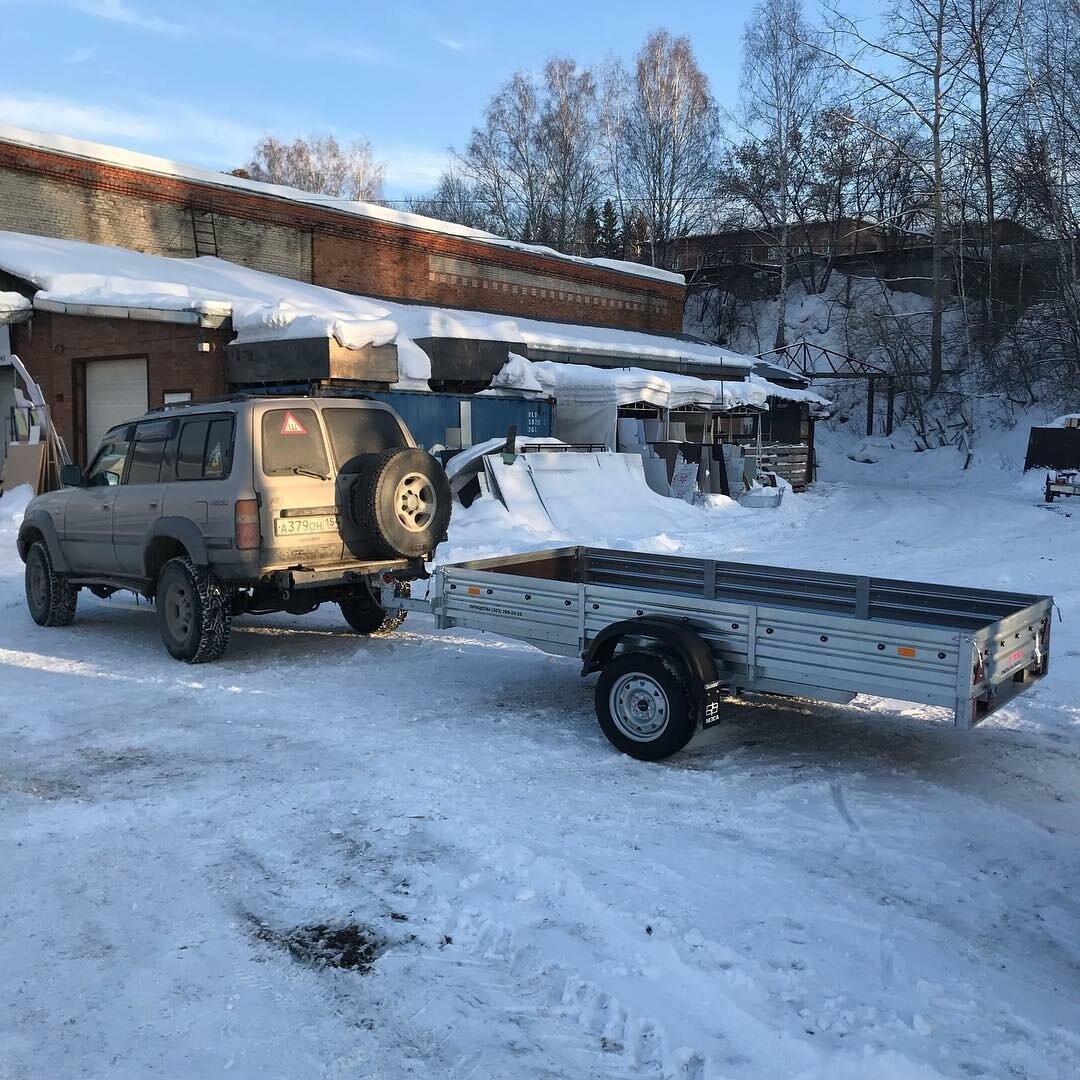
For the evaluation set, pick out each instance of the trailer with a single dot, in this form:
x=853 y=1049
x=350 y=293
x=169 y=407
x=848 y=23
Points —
x=674 y=637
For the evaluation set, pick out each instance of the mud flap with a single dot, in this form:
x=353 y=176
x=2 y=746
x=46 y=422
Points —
x=712 y=694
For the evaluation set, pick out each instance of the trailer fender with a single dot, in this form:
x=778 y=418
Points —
x=676 y=636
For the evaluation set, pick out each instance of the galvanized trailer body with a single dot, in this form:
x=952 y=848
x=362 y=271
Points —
x=768 y=629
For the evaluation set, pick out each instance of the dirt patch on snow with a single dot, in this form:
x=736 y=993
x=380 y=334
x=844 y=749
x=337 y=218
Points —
x=342 y=945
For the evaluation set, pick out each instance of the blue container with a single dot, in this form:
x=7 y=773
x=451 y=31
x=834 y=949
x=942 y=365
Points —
x=428 y=415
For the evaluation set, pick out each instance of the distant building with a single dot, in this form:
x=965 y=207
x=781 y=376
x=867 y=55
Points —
x=844 y=237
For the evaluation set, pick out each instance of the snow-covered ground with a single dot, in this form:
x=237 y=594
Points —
x=808 y=891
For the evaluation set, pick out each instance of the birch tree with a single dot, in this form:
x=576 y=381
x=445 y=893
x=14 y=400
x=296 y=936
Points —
x=320 y=164
x=668 y=142
x=783 y=80
x=914 y=67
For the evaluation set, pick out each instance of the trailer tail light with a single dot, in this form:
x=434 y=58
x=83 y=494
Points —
x=247 y=524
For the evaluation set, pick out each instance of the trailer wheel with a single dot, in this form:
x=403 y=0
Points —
x=644 y=705
x=365 y=616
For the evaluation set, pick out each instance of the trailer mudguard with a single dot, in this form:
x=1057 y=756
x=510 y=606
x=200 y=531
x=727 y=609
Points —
x=675 y=635
x=39 y=523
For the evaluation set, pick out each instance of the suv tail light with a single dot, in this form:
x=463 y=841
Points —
x=247 y=524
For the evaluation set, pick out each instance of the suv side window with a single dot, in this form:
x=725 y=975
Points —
x=107 y=468
x=204 y=449
x=292 y=440
x=148 y=452
x=361 y=431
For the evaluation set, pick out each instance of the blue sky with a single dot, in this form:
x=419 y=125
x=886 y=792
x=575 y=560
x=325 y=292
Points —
x=200 y=82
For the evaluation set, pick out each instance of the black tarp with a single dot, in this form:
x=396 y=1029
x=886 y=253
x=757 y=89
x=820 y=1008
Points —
x=1053 y=448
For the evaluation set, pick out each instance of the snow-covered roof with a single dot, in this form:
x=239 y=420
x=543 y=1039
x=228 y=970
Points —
x=112 y=155
x=94 y=279
x=788 y=393
x=583 y=385
x=14 y=307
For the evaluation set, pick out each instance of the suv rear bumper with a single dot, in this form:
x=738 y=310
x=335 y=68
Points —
x=347 y=574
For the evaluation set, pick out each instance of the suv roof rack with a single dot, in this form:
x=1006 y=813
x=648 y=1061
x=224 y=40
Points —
x=248 y=395
x=219 y=400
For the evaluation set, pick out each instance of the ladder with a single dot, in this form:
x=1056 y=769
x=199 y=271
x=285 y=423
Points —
x=204 y=231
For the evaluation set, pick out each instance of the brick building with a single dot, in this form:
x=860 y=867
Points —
x=107 y=332
x=148 y=281
x=54 y=186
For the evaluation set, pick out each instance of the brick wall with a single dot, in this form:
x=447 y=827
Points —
x=45 y=206
x=53 y=194
x=56 y=348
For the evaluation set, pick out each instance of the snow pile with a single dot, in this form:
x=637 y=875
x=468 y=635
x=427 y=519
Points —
x=163 y=167
x=517 y=374
x=12 y=304
x=13 y=505
x=268 y=307
x=581 y=384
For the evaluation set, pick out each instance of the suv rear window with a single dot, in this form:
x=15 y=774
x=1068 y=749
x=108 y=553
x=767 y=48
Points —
x=361 y=431
x=292 y=440
x=204 y=449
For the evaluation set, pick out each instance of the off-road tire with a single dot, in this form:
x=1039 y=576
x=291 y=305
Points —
x=386 y=528
x=365 y=616
x=49 y=596
x=671 y=679
x=194 y=611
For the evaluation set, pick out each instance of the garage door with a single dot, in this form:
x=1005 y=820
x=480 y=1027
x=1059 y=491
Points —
x=115 y=392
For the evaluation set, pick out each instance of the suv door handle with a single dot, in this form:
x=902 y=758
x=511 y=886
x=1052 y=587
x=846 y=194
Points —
x=106 y=507
x=153 y=506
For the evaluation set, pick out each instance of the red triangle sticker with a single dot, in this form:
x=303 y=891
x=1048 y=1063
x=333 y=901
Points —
x=291 y=426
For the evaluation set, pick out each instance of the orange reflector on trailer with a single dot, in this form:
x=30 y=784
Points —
x=905 y=650
x=473 y=591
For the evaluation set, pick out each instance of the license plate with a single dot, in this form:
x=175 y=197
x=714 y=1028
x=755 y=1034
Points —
x=303 y=526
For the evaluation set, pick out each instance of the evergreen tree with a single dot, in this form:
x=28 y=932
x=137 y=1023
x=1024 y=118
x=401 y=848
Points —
x=610 y=243
x=545 y=231
x=635 y=239
x=590 y=233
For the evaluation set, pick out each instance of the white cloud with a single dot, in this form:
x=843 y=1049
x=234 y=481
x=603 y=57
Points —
x=359 y=51
x=410 y=170
x=118 y=12
x=453 y=44
x=196 y=136
x=75 y=118
x=81 y=55
x=174 y=130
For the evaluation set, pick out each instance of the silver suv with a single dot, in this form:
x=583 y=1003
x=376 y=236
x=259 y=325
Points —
x=243 y=505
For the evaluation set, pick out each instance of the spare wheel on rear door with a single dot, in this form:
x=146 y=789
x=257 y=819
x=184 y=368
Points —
x=400 y=503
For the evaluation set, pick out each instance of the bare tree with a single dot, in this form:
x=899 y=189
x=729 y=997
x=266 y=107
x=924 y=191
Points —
x=987 y=32
x=321 y=165
x=783 y=81
x=669 y=141
x=915 y=67
x=569 y=125
x=452 y=200
x=533 y=165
